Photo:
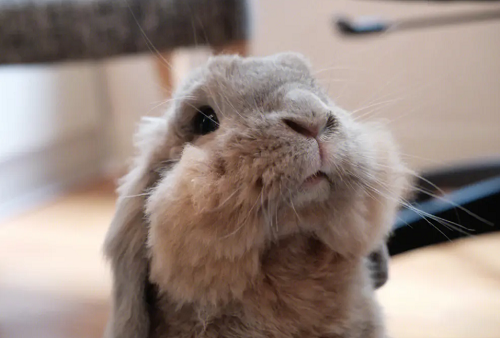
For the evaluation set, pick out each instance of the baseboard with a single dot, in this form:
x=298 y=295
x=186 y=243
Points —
x=30 y=179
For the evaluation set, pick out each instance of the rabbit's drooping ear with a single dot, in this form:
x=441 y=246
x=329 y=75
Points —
x=125 y=247
x=125 y=244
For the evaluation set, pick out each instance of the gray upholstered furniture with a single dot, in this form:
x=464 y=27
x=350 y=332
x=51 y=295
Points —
x=54 y=30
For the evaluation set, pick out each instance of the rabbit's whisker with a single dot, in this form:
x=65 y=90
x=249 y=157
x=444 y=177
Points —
x=441 y=198
x=134 y=196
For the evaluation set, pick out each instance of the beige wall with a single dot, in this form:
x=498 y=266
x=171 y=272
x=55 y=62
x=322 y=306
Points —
x=443 y=84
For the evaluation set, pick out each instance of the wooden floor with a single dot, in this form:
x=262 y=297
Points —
x=54 y=283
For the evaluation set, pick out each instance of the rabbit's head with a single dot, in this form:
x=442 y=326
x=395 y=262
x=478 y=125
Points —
x=252 y=150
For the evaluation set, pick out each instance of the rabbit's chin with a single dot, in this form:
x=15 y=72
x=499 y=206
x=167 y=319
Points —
x=315 y=189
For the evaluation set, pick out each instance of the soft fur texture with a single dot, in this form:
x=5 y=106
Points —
x=221 y=236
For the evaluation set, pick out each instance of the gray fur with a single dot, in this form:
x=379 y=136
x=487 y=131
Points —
x=158 y=235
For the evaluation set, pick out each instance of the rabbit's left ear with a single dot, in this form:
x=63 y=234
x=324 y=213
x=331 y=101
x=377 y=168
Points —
x=125 y=244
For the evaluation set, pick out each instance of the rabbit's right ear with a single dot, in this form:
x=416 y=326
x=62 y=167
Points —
x=378 y=262
x=293 y=60
x=125 y=244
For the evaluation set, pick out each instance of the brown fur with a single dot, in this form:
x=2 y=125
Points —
x=235 y=245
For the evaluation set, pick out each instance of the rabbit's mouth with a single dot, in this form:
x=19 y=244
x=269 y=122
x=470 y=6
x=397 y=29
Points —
x=315 y=179
x=314 y=188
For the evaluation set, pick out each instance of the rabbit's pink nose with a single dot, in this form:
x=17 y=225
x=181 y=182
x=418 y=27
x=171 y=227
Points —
x=307 y=130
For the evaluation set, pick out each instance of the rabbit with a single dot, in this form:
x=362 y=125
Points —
x=255 y=207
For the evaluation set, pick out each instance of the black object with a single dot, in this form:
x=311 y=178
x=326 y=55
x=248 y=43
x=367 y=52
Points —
x=469 y=211
x=362 y=26
x=455 y=177
x=370 y=25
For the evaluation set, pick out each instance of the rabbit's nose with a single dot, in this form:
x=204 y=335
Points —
x=306 y=129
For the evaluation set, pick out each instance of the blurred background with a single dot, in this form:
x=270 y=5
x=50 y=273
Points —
x=76 y=76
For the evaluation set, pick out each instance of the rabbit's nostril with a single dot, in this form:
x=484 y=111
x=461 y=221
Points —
x=306 y=130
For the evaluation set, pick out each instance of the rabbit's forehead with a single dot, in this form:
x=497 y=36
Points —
x=259 y=84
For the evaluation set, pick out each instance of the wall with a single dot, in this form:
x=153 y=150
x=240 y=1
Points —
x=133 y=90
x=49 y=132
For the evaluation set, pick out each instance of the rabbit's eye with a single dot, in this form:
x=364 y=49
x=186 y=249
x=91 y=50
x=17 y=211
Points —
x=205 y=121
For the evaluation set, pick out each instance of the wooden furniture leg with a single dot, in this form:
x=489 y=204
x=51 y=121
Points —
x=164 y=63
x=238 y=47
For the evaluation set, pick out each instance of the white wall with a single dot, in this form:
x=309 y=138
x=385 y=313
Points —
x=41 y=105
x=50 y=131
